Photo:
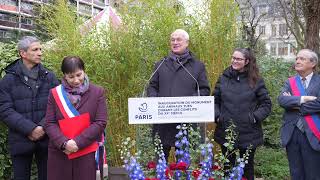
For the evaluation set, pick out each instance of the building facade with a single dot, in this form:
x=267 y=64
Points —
x=17 y=16
x=271 y=27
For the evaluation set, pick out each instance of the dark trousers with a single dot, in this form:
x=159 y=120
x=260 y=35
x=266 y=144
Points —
x=22 y=164
x=304 y=162
x=249 y=167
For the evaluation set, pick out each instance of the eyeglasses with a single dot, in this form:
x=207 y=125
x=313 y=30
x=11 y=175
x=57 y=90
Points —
x=237 y=59
x=176 y=40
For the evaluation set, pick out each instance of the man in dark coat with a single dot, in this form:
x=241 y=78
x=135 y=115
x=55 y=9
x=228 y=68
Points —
x=24 y=94
x=299 y=133
x=172 y=79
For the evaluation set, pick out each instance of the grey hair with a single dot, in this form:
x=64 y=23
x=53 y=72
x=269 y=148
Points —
x=25 y=42
x=183 y=32
x=314 y=56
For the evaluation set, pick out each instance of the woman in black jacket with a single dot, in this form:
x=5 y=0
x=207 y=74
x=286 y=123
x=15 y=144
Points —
x=241 y=98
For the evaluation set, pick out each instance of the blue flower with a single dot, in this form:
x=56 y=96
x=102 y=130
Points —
x=178 y=144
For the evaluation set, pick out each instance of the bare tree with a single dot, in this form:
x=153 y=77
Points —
x=311 y=13
x=303 y=20
x=250 y=19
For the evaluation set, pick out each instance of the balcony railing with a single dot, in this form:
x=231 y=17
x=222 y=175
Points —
x=29 y=27
x=9 y=24
x=27 y=11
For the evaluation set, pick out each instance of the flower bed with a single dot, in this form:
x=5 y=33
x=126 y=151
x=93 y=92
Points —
x=194 y=161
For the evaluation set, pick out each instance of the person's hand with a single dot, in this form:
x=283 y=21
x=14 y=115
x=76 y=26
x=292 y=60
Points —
x=37 y=133
x=71 y=146
x=286 y=94
x=308 y=98
x=67 y=152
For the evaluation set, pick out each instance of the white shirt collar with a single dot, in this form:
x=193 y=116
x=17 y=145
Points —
x=308 y=79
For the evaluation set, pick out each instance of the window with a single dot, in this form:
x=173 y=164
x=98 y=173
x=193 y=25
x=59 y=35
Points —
x=262 y=10
x=283 y=29
x=26 y=7
x=293 y=50
x=8 y=17
x=282 y=49
x=273 y=30
x=9 y=2
x=6 y=34
x=262 y=30
x=27 y=21
x=273 y=49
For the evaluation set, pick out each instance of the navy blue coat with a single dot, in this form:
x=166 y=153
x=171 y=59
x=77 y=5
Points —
x=172 y=80
x=294 y=111
x=22 y=110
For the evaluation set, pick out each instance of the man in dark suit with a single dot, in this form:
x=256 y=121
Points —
x=178 y=74
x=24 y=94
x=300 y=135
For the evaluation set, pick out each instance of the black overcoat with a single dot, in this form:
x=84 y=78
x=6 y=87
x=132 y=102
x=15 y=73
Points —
x=246 y=107
x=172 y=80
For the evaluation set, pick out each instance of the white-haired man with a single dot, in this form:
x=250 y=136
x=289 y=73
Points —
x=24 y=94
x=172 y=79
x=300 y=132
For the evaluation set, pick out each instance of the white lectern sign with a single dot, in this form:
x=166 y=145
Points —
x=158 y=110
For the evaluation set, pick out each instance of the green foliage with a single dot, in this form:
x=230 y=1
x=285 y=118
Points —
x=271 y=161
x=5 y=168
x=121 y=59
x=275 y=72
x=145 y=142
x=271 y=164
x=8 y=53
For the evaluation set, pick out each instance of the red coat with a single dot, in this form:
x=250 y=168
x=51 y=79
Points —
x=60 y=167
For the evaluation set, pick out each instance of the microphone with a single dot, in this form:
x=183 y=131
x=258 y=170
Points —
x=198 y=88
x=154 y=72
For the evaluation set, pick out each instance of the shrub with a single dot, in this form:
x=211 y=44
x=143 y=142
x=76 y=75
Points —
x=275 y=72
x=8 y=53
x=271 y=164
x=121 y=60
x=271 y=160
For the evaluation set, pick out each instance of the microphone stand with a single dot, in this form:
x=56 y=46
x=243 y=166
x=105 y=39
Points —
x=139 y=127
x=198 y=90
x=154 y=72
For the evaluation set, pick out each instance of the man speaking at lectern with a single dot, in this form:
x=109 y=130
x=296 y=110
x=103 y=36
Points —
x=178 y=74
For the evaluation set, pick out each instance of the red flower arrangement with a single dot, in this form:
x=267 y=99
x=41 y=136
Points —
x=173 y=166
x=169 y=173
x=182 y=166
x=196 y=173
x=151 y=165
x=151 y=179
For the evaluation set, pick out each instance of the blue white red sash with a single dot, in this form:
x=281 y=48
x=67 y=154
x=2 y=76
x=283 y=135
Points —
x=63 y=102
x=68 y=111
x=313 y=120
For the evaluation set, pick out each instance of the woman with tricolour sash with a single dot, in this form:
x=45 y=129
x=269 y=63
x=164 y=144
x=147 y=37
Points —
x=75 y=121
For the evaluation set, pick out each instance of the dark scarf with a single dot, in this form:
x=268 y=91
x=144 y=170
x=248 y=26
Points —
x=182 y=57
x=30 y=75
x=75 y=94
